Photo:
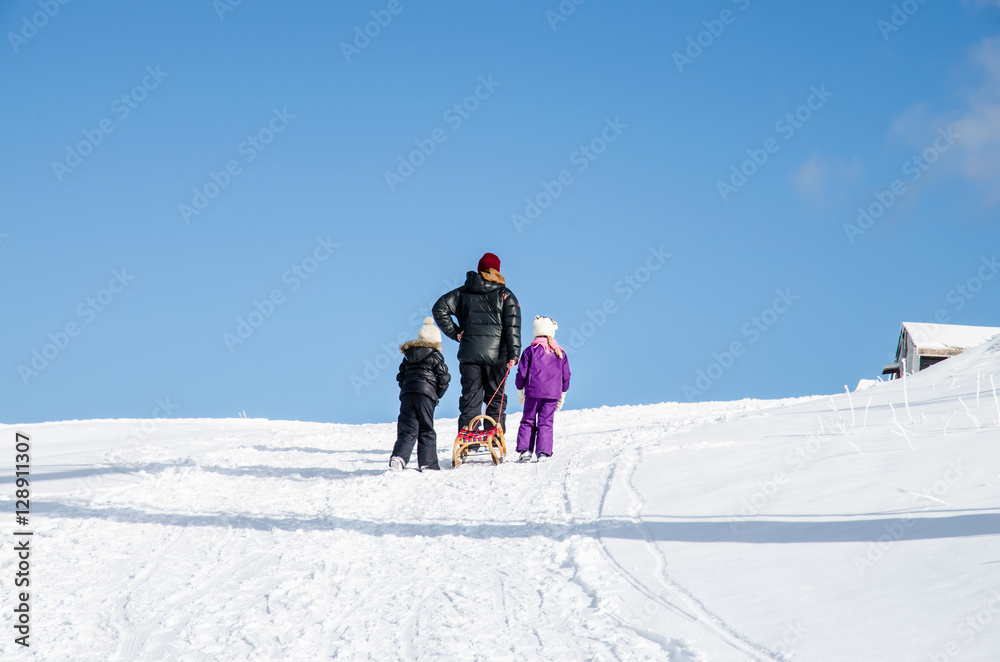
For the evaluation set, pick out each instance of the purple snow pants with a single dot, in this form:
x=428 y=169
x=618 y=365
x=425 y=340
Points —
x=535 y=433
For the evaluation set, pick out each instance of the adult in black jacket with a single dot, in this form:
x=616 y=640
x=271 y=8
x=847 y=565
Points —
x=489 y=337
x=423 y=379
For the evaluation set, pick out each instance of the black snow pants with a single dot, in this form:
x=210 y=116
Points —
x=478 y=384
x=416 y=426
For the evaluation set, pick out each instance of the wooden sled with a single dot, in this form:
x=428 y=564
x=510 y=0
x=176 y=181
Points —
x=491 y=437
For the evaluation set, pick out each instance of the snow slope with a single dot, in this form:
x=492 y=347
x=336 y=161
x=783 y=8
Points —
x=797 y=529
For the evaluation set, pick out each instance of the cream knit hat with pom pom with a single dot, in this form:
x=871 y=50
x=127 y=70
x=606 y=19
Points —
x=544 y=326
x=429 y=332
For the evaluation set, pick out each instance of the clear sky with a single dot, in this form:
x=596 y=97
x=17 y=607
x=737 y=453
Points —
x=176 y=172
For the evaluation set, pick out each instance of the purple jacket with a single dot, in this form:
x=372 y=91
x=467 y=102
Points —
x=542 y=374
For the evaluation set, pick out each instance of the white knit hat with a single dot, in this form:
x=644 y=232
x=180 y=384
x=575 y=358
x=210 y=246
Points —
x=429 y=332
x=544 y=326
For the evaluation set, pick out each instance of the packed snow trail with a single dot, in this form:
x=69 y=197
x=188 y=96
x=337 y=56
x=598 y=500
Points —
x=244 y=539
x=796 y=529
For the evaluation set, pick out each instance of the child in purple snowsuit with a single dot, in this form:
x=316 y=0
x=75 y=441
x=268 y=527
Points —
x=542 y=381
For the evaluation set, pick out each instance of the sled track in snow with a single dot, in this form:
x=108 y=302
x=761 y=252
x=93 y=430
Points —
x=132 y=636
x=522 y=542
x=696 y=613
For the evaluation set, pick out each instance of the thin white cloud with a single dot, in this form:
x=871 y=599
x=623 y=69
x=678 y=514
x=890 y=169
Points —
x=979 y=124
x=975 y=155
x=911 y=127
x=826 y=179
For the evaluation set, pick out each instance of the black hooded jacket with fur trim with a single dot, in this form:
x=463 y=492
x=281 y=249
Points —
x=489 y=319
x=423 y=370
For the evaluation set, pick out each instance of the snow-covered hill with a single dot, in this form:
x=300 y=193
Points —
x=853 y=527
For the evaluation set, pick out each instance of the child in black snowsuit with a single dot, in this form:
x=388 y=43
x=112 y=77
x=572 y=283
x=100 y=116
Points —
x=423 y=378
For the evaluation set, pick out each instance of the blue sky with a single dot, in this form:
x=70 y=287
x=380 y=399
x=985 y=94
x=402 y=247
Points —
x=171 y=169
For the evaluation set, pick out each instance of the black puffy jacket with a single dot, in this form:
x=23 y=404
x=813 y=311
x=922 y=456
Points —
x=423 y=370
x=489 y=319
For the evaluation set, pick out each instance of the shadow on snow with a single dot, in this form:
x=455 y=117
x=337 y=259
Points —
x=258 y=471
x=734 y=531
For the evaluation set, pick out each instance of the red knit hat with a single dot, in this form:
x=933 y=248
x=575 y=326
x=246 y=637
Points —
x=489 y=261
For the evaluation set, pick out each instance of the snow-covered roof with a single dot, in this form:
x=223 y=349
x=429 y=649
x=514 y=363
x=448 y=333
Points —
x=943 y=337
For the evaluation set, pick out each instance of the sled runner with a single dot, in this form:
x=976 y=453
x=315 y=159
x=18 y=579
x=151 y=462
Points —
x=491 y=437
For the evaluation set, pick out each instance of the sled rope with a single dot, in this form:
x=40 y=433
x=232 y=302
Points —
x=500 y=387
